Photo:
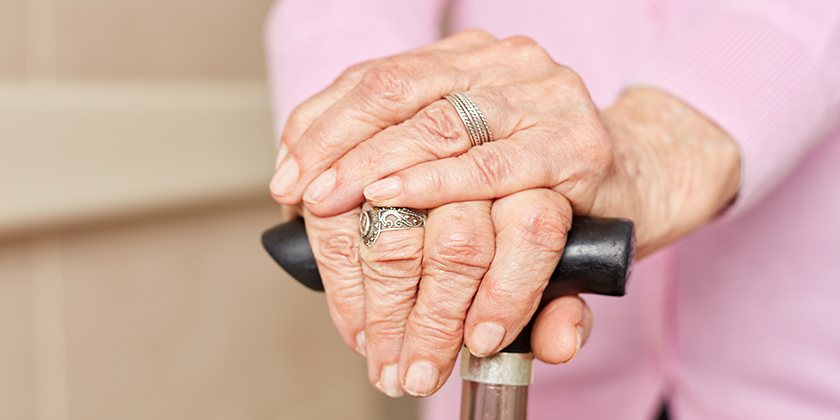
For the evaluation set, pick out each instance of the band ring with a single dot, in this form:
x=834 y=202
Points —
x=380 y=219
x=472 y=117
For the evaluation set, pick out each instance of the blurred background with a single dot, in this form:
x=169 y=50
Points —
x=135 y=154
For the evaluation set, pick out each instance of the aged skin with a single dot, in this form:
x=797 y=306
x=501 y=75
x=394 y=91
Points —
x=498 y=213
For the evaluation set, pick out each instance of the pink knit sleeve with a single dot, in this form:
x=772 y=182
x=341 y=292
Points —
x=767 y=72
x=311 y=42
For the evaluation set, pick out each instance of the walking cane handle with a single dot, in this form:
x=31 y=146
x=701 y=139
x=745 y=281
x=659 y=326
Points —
x=598 y=258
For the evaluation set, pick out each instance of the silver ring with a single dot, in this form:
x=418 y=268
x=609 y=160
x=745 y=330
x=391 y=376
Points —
x=472 y=117
x=380 y=219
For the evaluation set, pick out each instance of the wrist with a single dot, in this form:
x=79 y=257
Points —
x=674 y=167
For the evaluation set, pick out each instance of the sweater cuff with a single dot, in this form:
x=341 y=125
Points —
x=756 y=83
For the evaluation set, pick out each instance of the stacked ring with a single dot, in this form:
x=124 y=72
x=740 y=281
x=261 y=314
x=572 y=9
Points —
x=473 y=118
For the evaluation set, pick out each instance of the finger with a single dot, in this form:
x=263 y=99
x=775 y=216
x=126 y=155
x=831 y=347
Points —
x=393 y=91
x=559 y=142
x=391 y=268
x=436 y=132
x=458 y=248
x=304 y=114
x=531 y=229
x=529 y=159
x=335 y=243
x=308 y=111
x=560 y=330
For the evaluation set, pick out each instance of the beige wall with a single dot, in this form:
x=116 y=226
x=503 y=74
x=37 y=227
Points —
x=135 y=150
x=85 y=39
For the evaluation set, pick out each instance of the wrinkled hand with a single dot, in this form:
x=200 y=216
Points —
x=382 y=132
x=373 y=293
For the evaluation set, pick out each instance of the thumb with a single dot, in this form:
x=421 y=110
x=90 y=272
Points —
x=561 y=328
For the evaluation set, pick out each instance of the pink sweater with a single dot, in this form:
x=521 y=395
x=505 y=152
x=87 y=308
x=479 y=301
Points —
x=742 y=319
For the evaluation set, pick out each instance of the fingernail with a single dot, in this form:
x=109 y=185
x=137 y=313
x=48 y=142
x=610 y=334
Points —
x=486 y=338
x=320 y=188
x=389 y=382
x=285 y=178
x=383 y=189
x=579 y=338
x=360 y=343
x=421 y=379
x=280 y=155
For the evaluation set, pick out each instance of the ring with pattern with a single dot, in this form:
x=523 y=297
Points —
x=380 y=219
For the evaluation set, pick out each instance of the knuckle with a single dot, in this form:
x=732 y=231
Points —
x=527 y=50
x=354 y=73
x=439 y=314
x=570 y=84
x=385 y=328
x=519 y=41
x=570 y=76
x=461 y=251
x=436 y=125
x=400 y=276
x=317 y=144
x=434 y=179
x=385 y=85
x=347 y=299
x=297 y=115
x=432 y=332
x=402 y=245
x=339 y=248
x=491 y=168
x=438 y=323
x=508 y=297
x=394 y=262
x=565 y=82
x=544 y=226
x=299 y=120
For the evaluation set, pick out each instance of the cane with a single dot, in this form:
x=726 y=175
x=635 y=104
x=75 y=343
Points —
x=598 y=258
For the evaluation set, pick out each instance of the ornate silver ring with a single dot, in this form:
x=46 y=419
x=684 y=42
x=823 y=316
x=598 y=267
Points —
x=379 y=219
x=472 y=117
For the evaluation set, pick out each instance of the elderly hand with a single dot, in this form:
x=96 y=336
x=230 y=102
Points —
x=381 y=130
x=482 y=263
x=374 y=304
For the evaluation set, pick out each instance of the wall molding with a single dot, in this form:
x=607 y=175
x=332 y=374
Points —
x=76 y=152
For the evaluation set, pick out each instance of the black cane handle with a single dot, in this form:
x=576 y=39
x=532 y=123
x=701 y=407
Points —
x=598 y=258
